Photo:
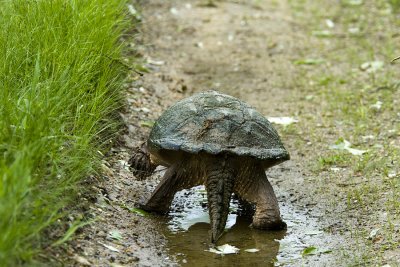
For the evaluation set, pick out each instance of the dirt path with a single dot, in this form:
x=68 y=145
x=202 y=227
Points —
x=245 y=49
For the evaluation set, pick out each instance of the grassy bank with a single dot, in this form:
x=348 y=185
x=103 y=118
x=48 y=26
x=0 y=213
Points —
x=60 y=82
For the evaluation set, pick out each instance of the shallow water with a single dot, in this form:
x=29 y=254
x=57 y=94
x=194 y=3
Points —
x=187 y=229
x=188 y=235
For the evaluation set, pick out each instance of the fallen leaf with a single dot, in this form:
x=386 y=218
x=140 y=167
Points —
x=138 y=211
x=373 y=233
x=200 y=44
x=372 y=66
x=314 y=251
x=313 y=232
x=133 y=210
x=368 y=137
x=224 y=249
x=173 y=11
x=282 y=120
x=110 y=247
x=354 y=2
x=345 y=145
x=81 y=260
x=147 y=124
x=115 y=234
x=329 y=23
x=309 y=61
x=252 y=250
x=123 y=162
x=140 y=68
x=377 y=105
x=324 y=33
x=155 y=62
x=132 y=10
x=356 y=152
x=145 y=110
x=324 y=251
x=309 y=251
x=353 y=30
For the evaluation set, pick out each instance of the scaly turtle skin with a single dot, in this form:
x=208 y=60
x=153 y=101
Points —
x=219 y=141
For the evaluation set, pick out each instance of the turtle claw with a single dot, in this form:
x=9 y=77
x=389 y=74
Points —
x=144 y=206
x=265 y=224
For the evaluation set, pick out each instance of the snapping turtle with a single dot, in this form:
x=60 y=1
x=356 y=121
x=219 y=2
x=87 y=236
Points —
x=219 y=141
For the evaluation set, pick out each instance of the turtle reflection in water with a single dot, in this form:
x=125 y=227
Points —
x=219 y=141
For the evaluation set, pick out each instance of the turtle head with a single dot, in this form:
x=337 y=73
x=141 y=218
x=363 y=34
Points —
x=140 y=163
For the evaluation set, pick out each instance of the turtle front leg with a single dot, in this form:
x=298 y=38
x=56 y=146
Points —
x=175 y=179
x=258 y=190
x=140 y=163
x=161 y=198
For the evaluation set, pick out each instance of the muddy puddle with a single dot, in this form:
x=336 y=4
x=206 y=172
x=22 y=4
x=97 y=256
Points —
x=187 y=230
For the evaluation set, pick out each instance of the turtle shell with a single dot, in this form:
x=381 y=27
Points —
x=215 y=123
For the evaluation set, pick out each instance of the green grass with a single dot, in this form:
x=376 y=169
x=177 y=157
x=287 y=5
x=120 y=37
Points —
x=60 y=84
x=395 y=4
x=348 y=93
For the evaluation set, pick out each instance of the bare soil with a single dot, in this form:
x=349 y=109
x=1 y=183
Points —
x=245 y=49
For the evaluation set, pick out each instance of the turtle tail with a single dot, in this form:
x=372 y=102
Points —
x=219 y=185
